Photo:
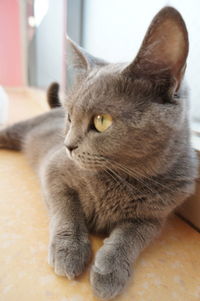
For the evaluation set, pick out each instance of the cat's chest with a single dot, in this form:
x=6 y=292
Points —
x=106 y=201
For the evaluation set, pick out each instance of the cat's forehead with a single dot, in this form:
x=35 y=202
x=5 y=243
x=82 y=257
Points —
x=98 y=91
x=106 y=71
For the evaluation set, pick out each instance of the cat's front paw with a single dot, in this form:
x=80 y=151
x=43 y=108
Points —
x=69 y=256
x=108 y=275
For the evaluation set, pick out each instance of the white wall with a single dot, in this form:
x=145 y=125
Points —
x=49 y=45
x=114 y=29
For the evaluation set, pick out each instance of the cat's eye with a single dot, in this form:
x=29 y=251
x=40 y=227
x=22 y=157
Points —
x=102 y=122
x=68 y=118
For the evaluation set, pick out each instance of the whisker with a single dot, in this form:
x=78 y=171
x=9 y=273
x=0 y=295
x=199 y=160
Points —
x=150 y=179
x=109 y=167
x=136 y=173
x=129 y=172
x=125 y=182
x=110 y=174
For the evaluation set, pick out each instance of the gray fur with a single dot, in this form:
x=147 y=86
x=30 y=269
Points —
x=126 y=180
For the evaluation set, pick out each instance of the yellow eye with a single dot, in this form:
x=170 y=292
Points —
x=102 y=122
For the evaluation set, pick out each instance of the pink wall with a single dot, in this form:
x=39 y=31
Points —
x=10 y=44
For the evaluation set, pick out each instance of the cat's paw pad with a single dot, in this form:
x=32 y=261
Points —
x=108 y=276
x=69 y=257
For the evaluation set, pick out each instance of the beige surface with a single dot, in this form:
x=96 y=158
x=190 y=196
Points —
x=167 y=270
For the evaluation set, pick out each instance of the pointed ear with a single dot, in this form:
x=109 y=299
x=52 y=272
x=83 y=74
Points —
x=164 y=49
x=79 y=59
x=75 y=56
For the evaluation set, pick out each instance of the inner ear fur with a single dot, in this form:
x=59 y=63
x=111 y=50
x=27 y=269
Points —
x=164 y=49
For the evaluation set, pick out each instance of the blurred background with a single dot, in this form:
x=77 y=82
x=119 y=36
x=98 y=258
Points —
x=32 y=37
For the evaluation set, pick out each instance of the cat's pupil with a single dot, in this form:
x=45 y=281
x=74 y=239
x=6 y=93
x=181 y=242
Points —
x=68 y=117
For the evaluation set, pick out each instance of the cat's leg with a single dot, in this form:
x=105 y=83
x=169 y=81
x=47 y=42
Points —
x=69 y=247
x=113 y=263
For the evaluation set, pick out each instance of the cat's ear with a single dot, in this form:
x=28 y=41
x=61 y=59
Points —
x=79 y=62
x=79 y=59
x=164 y=49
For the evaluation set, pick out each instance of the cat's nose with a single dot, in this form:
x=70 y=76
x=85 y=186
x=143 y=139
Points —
x=71 y=147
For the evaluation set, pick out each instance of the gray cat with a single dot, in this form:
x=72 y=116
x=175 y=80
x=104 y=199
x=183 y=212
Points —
x=116 y=158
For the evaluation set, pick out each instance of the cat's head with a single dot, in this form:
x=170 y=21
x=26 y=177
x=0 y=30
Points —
x=125 y=114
